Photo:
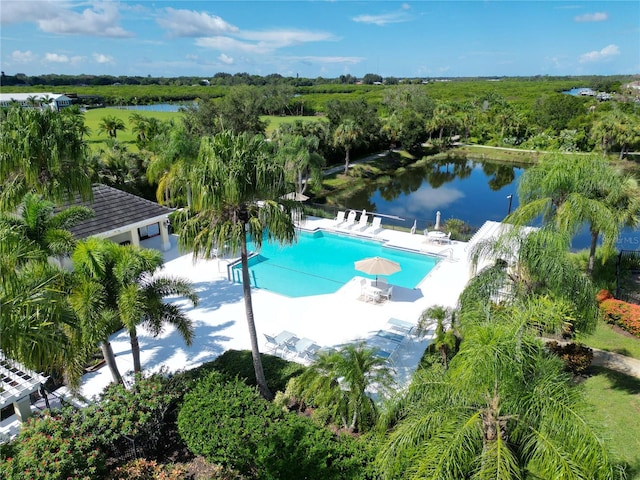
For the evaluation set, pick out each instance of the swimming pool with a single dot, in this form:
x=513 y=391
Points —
x=322 y=262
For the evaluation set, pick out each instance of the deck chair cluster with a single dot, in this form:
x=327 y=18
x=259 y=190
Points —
x=348 y=222
x=287 y=345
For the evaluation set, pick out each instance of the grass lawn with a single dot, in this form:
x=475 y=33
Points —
x=616 y=398
x=93 y=117
x=605 y=338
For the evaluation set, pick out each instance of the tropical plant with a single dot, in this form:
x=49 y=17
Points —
x=37 y=326
x=115 y=285
x=567 y=193
x=302 y=162
x=347 y=136
x=340 y=383
x=445 y=340
x=503 y=409
x=110 y=125
x=38 y=222
x=43 y=152
x=236 y=185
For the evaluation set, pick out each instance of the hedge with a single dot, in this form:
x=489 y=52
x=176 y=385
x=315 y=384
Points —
x=623 y=314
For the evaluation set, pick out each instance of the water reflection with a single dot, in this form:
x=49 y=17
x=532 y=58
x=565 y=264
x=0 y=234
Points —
x=462 y=188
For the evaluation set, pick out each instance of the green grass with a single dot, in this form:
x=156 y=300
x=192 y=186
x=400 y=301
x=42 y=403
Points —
x=616 y=398
x=93 y=117
x=605 y=338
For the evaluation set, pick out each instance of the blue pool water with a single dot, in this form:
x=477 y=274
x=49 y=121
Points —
x=321 y=262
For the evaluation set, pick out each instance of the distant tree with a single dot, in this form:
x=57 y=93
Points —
x=347 y=136
x=371 y=78
x=110 y=125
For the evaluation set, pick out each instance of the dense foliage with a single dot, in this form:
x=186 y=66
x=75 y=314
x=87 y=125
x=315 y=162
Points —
x=230 y=423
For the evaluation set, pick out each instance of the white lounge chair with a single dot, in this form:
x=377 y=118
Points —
x=339 y=219
x=363 y=223
x=304 y=348
x=351 y=220
x=276 y=342
x=375 y=226
x=386 y=294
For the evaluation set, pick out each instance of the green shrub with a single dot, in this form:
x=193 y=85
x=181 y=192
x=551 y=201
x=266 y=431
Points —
x=224 y=421
x=48 y=447
x=229 y=423
x=239 y=363
x=577 y=357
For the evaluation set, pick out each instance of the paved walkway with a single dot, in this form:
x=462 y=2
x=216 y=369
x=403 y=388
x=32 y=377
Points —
x=614 y=361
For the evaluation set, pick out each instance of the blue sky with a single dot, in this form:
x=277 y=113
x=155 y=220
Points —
x=320 y=38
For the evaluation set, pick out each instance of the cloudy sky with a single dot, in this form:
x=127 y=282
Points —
x=320 y=38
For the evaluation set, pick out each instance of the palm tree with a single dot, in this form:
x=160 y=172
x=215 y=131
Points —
x=42 y=151
x=37 y=326
x=445 y=340
x=346 y=136
x=567 y=193
x=115 y=285
x=110 y=125
x=504 y=409
x=339 y=381
x=140 y=297
x=236 y=185
x=303 y=165
x=48 y=230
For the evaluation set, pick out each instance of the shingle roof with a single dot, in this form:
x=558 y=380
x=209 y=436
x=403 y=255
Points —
x=115 y=209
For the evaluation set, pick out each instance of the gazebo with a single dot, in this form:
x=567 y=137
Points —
x=17 y=383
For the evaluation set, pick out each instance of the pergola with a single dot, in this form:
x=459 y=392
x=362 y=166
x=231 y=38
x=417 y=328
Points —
x=17 y=383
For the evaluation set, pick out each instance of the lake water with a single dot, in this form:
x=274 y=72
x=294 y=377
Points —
x=156 y=107
x=469 y=190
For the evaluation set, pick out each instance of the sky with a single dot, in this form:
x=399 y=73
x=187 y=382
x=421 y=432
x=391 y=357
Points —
x=319 y=38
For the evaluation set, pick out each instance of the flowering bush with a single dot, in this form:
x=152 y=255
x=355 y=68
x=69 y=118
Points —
x=48 y=448
x=625 y=315
x=603 y=295
x=143 y=469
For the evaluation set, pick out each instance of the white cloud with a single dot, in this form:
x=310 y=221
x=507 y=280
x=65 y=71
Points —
x=189 y=23
x=226 y=59
x=328 y=60
x=592 y=17
x=56 y=58
x=23 y=11
x=384 y=18
x=600 y=55
x=227 y=43
x=22 y=57
x=101 y=21
x=102 y=58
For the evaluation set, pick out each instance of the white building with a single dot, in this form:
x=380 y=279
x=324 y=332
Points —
x=55 y=101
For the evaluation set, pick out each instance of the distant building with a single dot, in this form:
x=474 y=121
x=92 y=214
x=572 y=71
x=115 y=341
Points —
x=54 y=101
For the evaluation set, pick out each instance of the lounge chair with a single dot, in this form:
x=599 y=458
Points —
x=363 y=224
x=401 y=326
x=304 y=348
x=351 y=220
x=339 y=220
x=375 y=226
x=280 y=341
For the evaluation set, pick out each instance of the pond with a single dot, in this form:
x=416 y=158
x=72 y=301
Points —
x=470 y=190
x=156 y=107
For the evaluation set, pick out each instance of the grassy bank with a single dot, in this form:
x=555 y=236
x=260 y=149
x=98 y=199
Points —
x=607 y=339
x=616 y=398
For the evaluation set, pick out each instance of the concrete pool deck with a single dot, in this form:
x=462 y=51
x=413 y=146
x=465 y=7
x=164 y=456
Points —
x=330 y=320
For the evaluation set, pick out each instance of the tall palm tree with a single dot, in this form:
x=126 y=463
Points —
x=37 y=222
x=340 y=381
x=567 y=193
x=110 y=125
x=41 y=151
x=303 y=165
x=504 y=409
x=346 y=136
x=236 y=185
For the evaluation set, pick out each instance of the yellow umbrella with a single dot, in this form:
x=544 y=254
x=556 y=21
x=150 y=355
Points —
x=377 y=266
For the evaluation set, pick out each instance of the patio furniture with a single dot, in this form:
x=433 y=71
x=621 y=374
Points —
x=401 y=326
x=436 y=236
x=372 y=294
x=304 y=348
x=375 y=226
x=351 y=220
x=276 y=342
x=386 y=293
x=339 y=219
x=363 y=224
x=394 y=337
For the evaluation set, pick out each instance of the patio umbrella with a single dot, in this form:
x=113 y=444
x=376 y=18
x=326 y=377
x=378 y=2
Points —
x=437 y=226
x=377 y=266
